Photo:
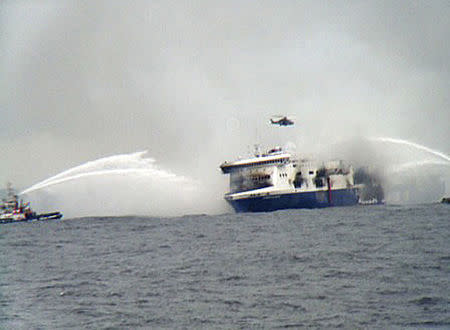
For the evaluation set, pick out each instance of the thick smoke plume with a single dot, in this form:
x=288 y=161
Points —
x=195 y=83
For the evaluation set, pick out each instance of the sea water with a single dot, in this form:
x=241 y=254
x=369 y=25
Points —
x=350 y=267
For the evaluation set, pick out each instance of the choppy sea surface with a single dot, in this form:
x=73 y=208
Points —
x=348 y=267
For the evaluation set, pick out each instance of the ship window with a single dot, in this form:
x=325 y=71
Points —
x=311 y=172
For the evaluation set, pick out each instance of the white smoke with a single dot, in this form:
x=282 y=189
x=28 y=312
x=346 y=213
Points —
x=127 y=184
x=413 y=145
x=414 y=165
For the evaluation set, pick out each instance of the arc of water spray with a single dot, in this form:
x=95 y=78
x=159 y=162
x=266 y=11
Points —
x=102 y=162
x=411 y=165
x=162 y=175
x=411 y=144
x=140 y=166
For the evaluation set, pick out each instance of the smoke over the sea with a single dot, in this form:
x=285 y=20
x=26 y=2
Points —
x=408 y=172
x=195 y=83
x=129 y=184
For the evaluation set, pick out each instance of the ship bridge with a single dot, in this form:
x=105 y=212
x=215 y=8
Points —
x=264 y=160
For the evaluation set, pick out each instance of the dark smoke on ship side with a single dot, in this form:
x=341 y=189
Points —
x=372 y=185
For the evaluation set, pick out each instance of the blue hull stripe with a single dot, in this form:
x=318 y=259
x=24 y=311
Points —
x=314 y=199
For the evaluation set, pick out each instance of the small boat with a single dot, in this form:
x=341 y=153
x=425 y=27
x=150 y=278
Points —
x=445 y=200
x=12 y=210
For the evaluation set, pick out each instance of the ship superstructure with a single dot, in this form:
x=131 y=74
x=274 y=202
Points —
x=278 y=180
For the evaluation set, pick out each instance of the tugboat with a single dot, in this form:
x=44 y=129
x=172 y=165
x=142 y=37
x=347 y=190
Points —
x=13 y=210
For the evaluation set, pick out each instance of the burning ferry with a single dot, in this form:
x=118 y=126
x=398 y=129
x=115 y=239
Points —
x=278 y=180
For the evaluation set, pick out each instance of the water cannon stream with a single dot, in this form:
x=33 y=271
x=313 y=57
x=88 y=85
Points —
x=128 y=183
x=416 y=146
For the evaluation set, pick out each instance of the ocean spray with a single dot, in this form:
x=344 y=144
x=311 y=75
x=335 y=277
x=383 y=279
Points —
x=126 y=184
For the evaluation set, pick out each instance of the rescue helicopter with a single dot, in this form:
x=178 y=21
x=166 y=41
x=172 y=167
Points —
x=281 y=120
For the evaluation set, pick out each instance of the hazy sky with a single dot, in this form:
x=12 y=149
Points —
x=194 y=82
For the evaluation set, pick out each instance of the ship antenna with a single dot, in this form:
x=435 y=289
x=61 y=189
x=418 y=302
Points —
x=257 y=151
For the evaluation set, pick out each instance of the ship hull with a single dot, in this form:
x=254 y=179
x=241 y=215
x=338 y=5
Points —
x=297 y=200
x=36 y=217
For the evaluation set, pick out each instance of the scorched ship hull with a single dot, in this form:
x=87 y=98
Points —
x=295 y=200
